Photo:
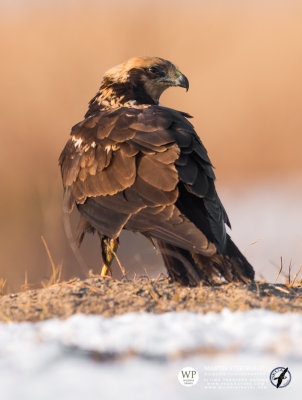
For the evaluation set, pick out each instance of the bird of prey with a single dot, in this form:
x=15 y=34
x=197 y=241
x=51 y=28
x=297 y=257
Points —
x=134 y=164
x=281 y=377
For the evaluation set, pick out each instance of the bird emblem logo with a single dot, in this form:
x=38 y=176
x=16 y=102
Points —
x=280 y=377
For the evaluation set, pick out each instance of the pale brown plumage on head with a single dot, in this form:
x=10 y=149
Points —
x=156 y=73
x=137 y=82
x=133 y=164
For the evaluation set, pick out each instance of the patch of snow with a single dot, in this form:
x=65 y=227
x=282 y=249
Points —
x=60 y=359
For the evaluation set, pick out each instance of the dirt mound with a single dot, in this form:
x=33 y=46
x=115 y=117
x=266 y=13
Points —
x=110 y=297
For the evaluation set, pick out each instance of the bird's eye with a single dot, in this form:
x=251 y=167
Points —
x=155 y=70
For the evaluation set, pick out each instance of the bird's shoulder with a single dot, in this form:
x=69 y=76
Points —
x=99 y=159
x=148 y=118
x=146 y=127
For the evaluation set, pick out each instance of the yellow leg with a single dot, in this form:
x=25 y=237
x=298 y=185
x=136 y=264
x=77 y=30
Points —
x=109 y=249
x=104 y=270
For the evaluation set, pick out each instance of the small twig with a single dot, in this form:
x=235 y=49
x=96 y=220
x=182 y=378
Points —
x=279 y=270
x=258 y=289
x=148 y=276
x=24 y=287
x=123 y=270
x=296 y=276
x=59 y=275
x=2 y=286
x=289 y=271
x=252 y=243
x=54 y=273
x=161 y=274
x=153 y=291
x=256 y=241
x=282 y=289
x=43 y=285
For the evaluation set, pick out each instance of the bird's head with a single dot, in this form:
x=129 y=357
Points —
x=142 y=79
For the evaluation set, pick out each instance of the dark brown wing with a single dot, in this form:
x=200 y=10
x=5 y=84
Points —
x=198 y=199
x=97 y=160
x=141 y=169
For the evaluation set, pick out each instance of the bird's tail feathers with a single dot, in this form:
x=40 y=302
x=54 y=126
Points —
x=193 y=268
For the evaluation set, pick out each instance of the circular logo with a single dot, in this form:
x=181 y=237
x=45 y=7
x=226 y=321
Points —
x=280 y=377
x=188 y=376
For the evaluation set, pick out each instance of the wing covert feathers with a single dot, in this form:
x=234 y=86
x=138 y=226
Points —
x=146 y=170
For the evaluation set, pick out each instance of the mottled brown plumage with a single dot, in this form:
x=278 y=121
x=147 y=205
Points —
x=133 y=164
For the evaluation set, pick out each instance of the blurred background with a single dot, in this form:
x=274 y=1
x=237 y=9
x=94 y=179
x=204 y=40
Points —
x=244 y=62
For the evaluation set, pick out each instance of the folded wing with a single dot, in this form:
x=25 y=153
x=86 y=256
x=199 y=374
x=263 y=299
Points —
x=144 y=170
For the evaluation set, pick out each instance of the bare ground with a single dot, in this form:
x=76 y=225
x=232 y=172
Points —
x=110 y=297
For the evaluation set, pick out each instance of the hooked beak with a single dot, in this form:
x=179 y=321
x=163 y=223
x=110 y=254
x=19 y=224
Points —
x=182 y=81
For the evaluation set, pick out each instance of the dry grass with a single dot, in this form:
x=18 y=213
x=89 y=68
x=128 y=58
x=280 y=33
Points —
x=56 y=270
x=287 y=276
x=243 y=60
x=2 y=286
x=25 y=286
x=295 y=280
